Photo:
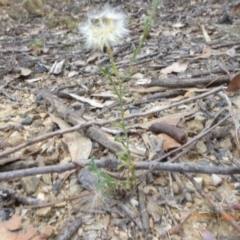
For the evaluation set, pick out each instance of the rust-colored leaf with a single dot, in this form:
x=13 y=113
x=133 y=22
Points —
x=168 y=143
x=234 y=84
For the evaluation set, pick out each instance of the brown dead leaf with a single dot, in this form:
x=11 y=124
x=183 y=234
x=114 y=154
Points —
x=172 y=119
x=234 y=84
x=176 y=67
x=45 y=233
x=79 y=146
x=14 y=223
x=6 y=234
x=169 y=143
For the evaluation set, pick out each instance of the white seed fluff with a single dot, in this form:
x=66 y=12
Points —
x=104 y=28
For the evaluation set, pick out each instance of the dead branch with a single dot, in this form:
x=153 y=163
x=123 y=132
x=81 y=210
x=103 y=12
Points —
x=172 y=167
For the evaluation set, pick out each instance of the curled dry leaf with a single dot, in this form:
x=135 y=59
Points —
x=14 y=223
x=176 y=67
x=176 y=133
x=234 y=84
x=168 y=142
x=79 y=145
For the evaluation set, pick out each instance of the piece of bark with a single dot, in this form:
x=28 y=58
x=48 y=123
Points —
x=175 y=82
x=174 y=132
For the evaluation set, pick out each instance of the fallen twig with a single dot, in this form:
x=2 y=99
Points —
x=172 y=167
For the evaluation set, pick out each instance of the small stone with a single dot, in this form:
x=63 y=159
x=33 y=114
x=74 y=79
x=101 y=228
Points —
x=195 y=126
x=27 y=121
x=161 y=181
x=176 y=189
x=175 y=237
x=123 y=235
x=40 y=161
x=47 y=178
x=73 y=181
x=199 y=180
x=154 y=210
x=56 y=186
x=190 y=187
x=201 y=147
x=74 y=190
x=30 y=184
x=215 y=180
x=226 y=143
x=189 y=204
x=15 y=139
x=41 y=196
x=200 y=118
x=80 y=232
x=189 y=94
x=44 y=212
x=65 y=160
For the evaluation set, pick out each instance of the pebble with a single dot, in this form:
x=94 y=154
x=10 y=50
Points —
x=195 y=126
x=226 y=143
x=189 y=204
x=44 y=212
x=176 y=189
x=47 y=178
x=154 y=210
x=40 y=161
x=161 y=181
x=190 y=187
x=27 y=121
x=199 y=180
x=201 y=147
x=74 y=190
x=65 y=160
x=123 y=235
x=215 y=180
x=16 y=138
x=56 y=186
x=30 y=184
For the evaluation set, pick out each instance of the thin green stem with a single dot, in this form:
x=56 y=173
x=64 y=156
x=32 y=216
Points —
x=147 y=26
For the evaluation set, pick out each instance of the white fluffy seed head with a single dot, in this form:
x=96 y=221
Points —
x=104 y=28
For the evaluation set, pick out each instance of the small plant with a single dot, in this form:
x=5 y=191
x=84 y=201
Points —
x=101 y=30
x=53 y=21
x=37 y=44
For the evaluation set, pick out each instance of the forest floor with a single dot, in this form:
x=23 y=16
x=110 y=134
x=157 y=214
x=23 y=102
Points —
x=49 y=82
